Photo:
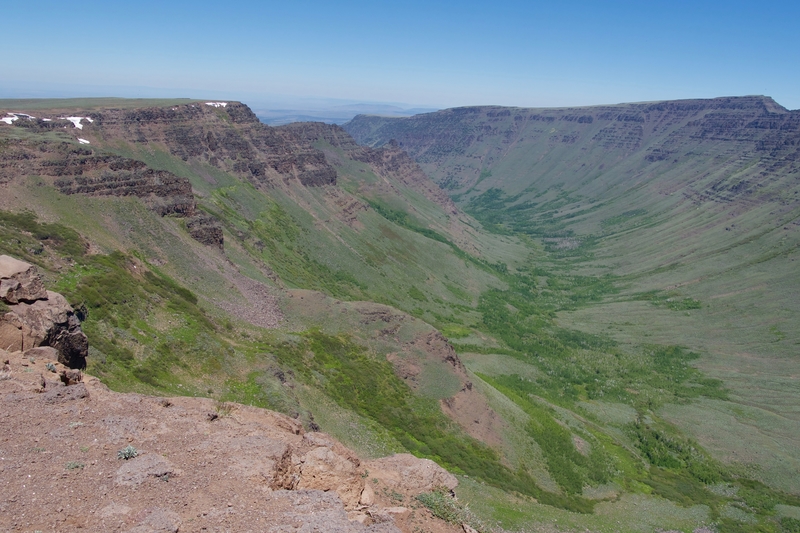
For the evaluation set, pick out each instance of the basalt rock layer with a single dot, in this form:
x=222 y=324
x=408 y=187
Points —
x=229 y=137
x=86 y=171
x=753 y=140
x=389 y=159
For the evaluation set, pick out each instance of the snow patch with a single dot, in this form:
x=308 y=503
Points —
x=15 y=116
x=217 y=104
x=77 y=121
x=47 y=119
x=83 y=141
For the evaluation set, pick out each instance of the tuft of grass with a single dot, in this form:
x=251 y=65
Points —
x=442 y=505
x=65 y=241
x=790 y=525
x=128 y=452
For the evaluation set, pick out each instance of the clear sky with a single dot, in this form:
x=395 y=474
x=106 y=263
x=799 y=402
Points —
x=443 y=54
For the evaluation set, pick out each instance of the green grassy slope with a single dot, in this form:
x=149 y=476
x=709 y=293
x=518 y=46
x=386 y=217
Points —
x=594 y=416
x=691 y=208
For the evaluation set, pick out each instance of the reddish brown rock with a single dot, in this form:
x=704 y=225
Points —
x=19 y=281
x=405 y=473
x=38 y=317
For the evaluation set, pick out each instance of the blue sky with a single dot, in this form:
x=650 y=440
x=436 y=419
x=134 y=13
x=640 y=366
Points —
x=439 y=54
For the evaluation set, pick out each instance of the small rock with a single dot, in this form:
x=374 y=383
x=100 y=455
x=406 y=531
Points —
x=139 y=469
x=367 y=496
x=71 y=377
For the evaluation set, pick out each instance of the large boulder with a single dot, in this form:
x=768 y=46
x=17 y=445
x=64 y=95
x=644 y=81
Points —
x=19 y=281
x=410 y=475
x=324 y=469
x=38 y=317
x=320 y=463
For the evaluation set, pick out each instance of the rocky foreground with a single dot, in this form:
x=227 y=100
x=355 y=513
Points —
x=76 y=456
x=192 y=464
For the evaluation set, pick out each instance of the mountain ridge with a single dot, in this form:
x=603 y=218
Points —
x=351 y=293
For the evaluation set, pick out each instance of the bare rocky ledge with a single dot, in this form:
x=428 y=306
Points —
x=194 y=464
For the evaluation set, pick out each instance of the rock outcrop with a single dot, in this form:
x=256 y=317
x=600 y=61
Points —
x=206 y=229
x=37 y=317
x=82 y=170
x=406 y=473
x=229 y=137
x=388 y=160
x=19 y=282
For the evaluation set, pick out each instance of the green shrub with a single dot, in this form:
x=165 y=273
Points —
x=417 y=294
x=128 y=452
x=24 y=225
x=568 y=467
x=790 y=525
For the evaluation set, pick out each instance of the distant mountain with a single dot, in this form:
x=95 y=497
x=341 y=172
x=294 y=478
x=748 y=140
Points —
x=337 y=114
x=622 y=142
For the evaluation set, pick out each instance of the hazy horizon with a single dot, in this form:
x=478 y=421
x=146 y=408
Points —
x=435 y=56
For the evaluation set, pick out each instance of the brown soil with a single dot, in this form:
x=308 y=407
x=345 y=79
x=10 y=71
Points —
x=472 y=412
x=201 y=465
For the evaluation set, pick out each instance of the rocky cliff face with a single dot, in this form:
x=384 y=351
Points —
x=457 y=146
x=228 y=137
x=389 y=159
x=81 y=170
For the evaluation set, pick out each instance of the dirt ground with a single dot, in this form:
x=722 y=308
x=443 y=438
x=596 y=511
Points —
x=200 y=466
